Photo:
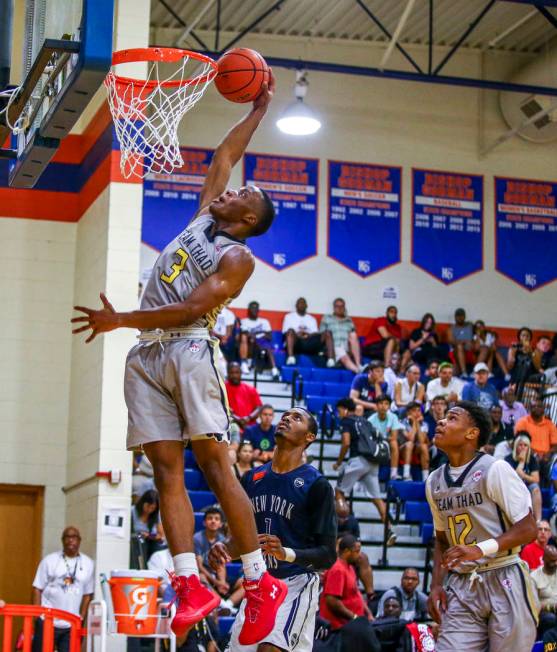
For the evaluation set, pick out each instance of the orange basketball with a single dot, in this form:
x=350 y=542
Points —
x=241 y=73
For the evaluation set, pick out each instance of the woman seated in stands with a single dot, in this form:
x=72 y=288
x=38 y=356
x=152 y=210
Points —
x=408 y=390
x=485 y=345
x=245 y=460
x=424 y=341
x=522 y=359
x=525 y=463
x=146 y=521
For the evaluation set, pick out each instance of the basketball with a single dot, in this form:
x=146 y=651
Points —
x=241 y=73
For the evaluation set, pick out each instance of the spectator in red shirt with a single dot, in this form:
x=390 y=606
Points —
x=532 y=553
x=384 y=336
x=243 y=399
x=341 y=600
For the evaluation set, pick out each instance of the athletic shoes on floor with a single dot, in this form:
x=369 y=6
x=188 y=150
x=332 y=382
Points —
x=263 y=599
x=194 y=602
x=391 y=537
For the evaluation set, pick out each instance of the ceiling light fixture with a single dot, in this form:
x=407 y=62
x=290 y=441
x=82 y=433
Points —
x=298 y=119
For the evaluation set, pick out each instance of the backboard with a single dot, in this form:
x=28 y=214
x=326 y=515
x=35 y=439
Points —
x=48 y=76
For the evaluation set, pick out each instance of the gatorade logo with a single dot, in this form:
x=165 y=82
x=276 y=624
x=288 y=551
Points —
x=140 y=596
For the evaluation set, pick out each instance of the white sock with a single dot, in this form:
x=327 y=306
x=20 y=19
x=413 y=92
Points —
x=425 y=474
x=185 y=564
x=394 y=471
x=253 y=564
x=406 y=470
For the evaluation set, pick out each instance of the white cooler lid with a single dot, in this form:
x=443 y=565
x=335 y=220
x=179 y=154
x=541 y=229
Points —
x=147 y=574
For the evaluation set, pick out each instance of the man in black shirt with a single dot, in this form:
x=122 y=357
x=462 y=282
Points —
x=358 y=468
x=296 y=521
x=499 y=431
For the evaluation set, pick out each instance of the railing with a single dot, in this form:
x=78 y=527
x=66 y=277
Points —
x=28 y=612
x=297 y=388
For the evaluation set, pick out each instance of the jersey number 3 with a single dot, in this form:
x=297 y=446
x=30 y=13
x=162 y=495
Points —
x=176 y=267
x=460 y=538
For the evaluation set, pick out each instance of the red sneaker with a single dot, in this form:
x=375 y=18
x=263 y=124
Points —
x=263 y=599
x=194 y=600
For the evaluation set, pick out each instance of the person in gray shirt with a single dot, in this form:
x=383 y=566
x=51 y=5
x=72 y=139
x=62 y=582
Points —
x=412 y=601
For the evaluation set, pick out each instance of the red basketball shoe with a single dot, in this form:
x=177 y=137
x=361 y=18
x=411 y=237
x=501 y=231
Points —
x=194 y=602
x=263 y=599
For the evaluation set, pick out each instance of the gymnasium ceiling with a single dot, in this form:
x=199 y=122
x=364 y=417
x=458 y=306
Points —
x=513 y=26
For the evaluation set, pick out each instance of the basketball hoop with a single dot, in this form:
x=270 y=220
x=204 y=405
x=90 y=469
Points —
x=147 y=112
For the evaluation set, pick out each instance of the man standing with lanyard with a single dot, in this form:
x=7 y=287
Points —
x=64 y=580
x=482 y=513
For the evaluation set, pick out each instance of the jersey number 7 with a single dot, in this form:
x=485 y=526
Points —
x=176 y=267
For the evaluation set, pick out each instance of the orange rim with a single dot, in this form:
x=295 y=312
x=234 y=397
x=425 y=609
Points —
x=165 y=55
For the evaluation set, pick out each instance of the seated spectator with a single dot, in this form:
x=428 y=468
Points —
x=409 y=389
x=424 y=341
x=142 y=478
x=528 y=469
x=532 y=553
x=345 y=338
x=461 y=339
x=367 y=386
x=262 y=434
x=348 y=524
x=384 y=336
x=499 y=431
x=415 y=440
x=358 y=468
x=302 y=335
x=245 y=459
x=243 y=399
x=397 y=635
x=414 y=602
x=202 y=542
x=542 y=430
x=520 y=358
x=255 y=340
x=485 y=344
x=480 y=390
x=393 y=373
x=431 y=372
x=513 y=410
x=146 y=522
x=340 y=600
x=224 y=332
x=544 y=578
x=446 y=385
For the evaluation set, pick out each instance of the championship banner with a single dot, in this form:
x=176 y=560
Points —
x=526 y=231
x=171 y=200
x=364 y=216
x=447 y=223
x=292 y=184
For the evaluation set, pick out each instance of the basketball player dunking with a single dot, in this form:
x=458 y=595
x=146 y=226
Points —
x=482 y=514
x=172 y=386
x=295 y=514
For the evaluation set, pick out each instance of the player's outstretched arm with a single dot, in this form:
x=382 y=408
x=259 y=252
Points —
x=227 y=282
x=233 y=145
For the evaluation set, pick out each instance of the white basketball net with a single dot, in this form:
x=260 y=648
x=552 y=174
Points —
x=147 y=114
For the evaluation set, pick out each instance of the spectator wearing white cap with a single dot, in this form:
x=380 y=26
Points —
x=480 y=390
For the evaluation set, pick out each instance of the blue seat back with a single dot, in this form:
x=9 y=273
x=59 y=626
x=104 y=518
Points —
x=326 y=375
x=201 y=499
x=418 y=512
x=407 y=490
x=336 y=389
x=194 y=480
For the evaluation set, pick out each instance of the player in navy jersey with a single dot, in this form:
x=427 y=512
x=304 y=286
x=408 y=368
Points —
x=296 y=520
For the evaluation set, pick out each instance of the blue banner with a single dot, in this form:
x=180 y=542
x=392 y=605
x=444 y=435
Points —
x=526 y=231
x=171 y=200
x=447 y=223
x=292 y=184
x=364 y=216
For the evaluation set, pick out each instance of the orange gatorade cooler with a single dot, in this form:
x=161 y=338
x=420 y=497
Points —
x=134 y=597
